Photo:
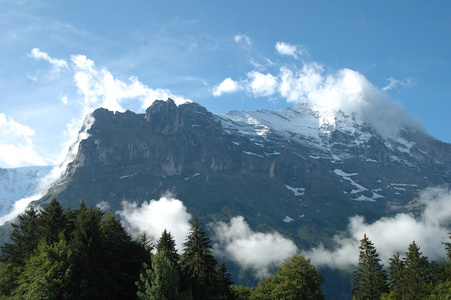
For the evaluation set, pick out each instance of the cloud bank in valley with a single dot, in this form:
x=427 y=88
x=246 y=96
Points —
x=343 y=90
x=254 y=250
x=391 y=235
x=262 y=252
x=235 y=240
x=153 y=217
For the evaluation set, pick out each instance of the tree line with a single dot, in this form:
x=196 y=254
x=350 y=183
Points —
x=59 y=253
x=411 y=276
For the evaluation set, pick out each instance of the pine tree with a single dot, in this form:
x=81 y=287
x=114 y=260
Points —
x=25 y=239
x=395 y=276
x=296 y=279
x=166 y=246
x=122 y=260
x=225 y=283
x=88 y=253
x=48 y=272
x=369 y=280
x=416 y=273
x=162 y=281
x=52 y=221
x=448 y=254
x=198 y=264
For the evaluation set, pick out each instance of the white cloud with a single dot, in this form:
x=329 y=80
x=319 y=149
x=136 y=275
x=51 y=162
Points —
x=255 y=250
x=242 y=37
x=391 y=235
x=344 y=90
x=57 y=64
x=64 y=100
x=261 y=84
x=226 y=86
x=290 y=50
x=155 y=216
x=16 y=145
x=101 y=89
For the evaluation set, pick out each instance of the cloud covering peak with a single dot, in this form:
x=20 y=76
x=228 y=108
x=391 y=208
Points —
x=343 y=90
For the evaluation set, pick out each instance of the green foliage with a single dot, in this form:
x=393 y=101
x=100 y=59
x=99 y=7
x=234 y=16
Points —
x=225 y=284
x=410 y=276
x=65 y=254
x=49 y=269
x=369 y=280
x=242 y=292
x=416 y=273
x=166 y=246
x=198 y=264
x=296 y=279
x=162 y=281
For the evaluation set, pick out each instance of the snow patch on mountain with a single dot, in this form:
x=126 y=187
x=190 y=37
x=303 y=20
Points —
x=18 y=183
x=296 y=191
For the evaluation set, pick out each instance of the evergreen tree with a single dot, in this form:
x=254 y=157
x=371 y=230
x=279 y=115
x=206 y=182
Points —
x=88 y=253
x=122 y=260
x=47 y=273
x=242 y=292
x=198 y=264
x=162 y=281
x=448 y=254
x=296 y=279
x=166 y=246
x=395 y=275
x=52 y=221
x=416 y=273
x=225 y=290
x=25 y=238
x=369 y=280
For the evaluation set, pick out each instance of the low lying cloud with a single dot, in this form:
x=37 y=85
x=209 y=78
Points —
x=155 y=216
x=251 y=250
x=392 y=235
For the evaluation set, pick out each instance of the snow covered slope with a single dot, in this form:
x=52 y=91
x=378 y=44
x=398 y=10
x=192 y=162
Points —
x=329 y=134
x=17 y=183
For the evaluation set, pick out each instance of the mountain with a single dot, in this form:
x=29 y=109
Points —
x=17 y=183
x=298 y=171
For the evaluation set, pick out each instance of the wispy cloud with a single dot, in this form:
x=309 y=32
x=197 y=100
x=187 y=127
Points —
x=242 y=38
x=57 y=64
x=290 y=49
x=394 y=83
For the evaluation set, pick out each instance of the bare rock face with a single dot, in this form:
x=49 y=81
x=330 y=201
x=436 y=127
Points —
x=263 y=165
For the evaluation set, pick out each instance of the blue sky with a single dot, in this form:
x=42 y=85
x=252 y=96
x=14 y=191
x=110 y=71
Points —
x=61 y=59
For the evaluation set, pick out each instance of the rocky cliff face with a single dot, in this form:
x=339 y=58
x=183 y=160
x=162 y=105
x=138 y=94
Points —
x=285 y=170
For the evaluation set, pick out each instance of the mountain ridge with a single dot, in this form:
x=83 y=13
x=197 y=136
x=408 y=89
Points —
x=169 y=147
